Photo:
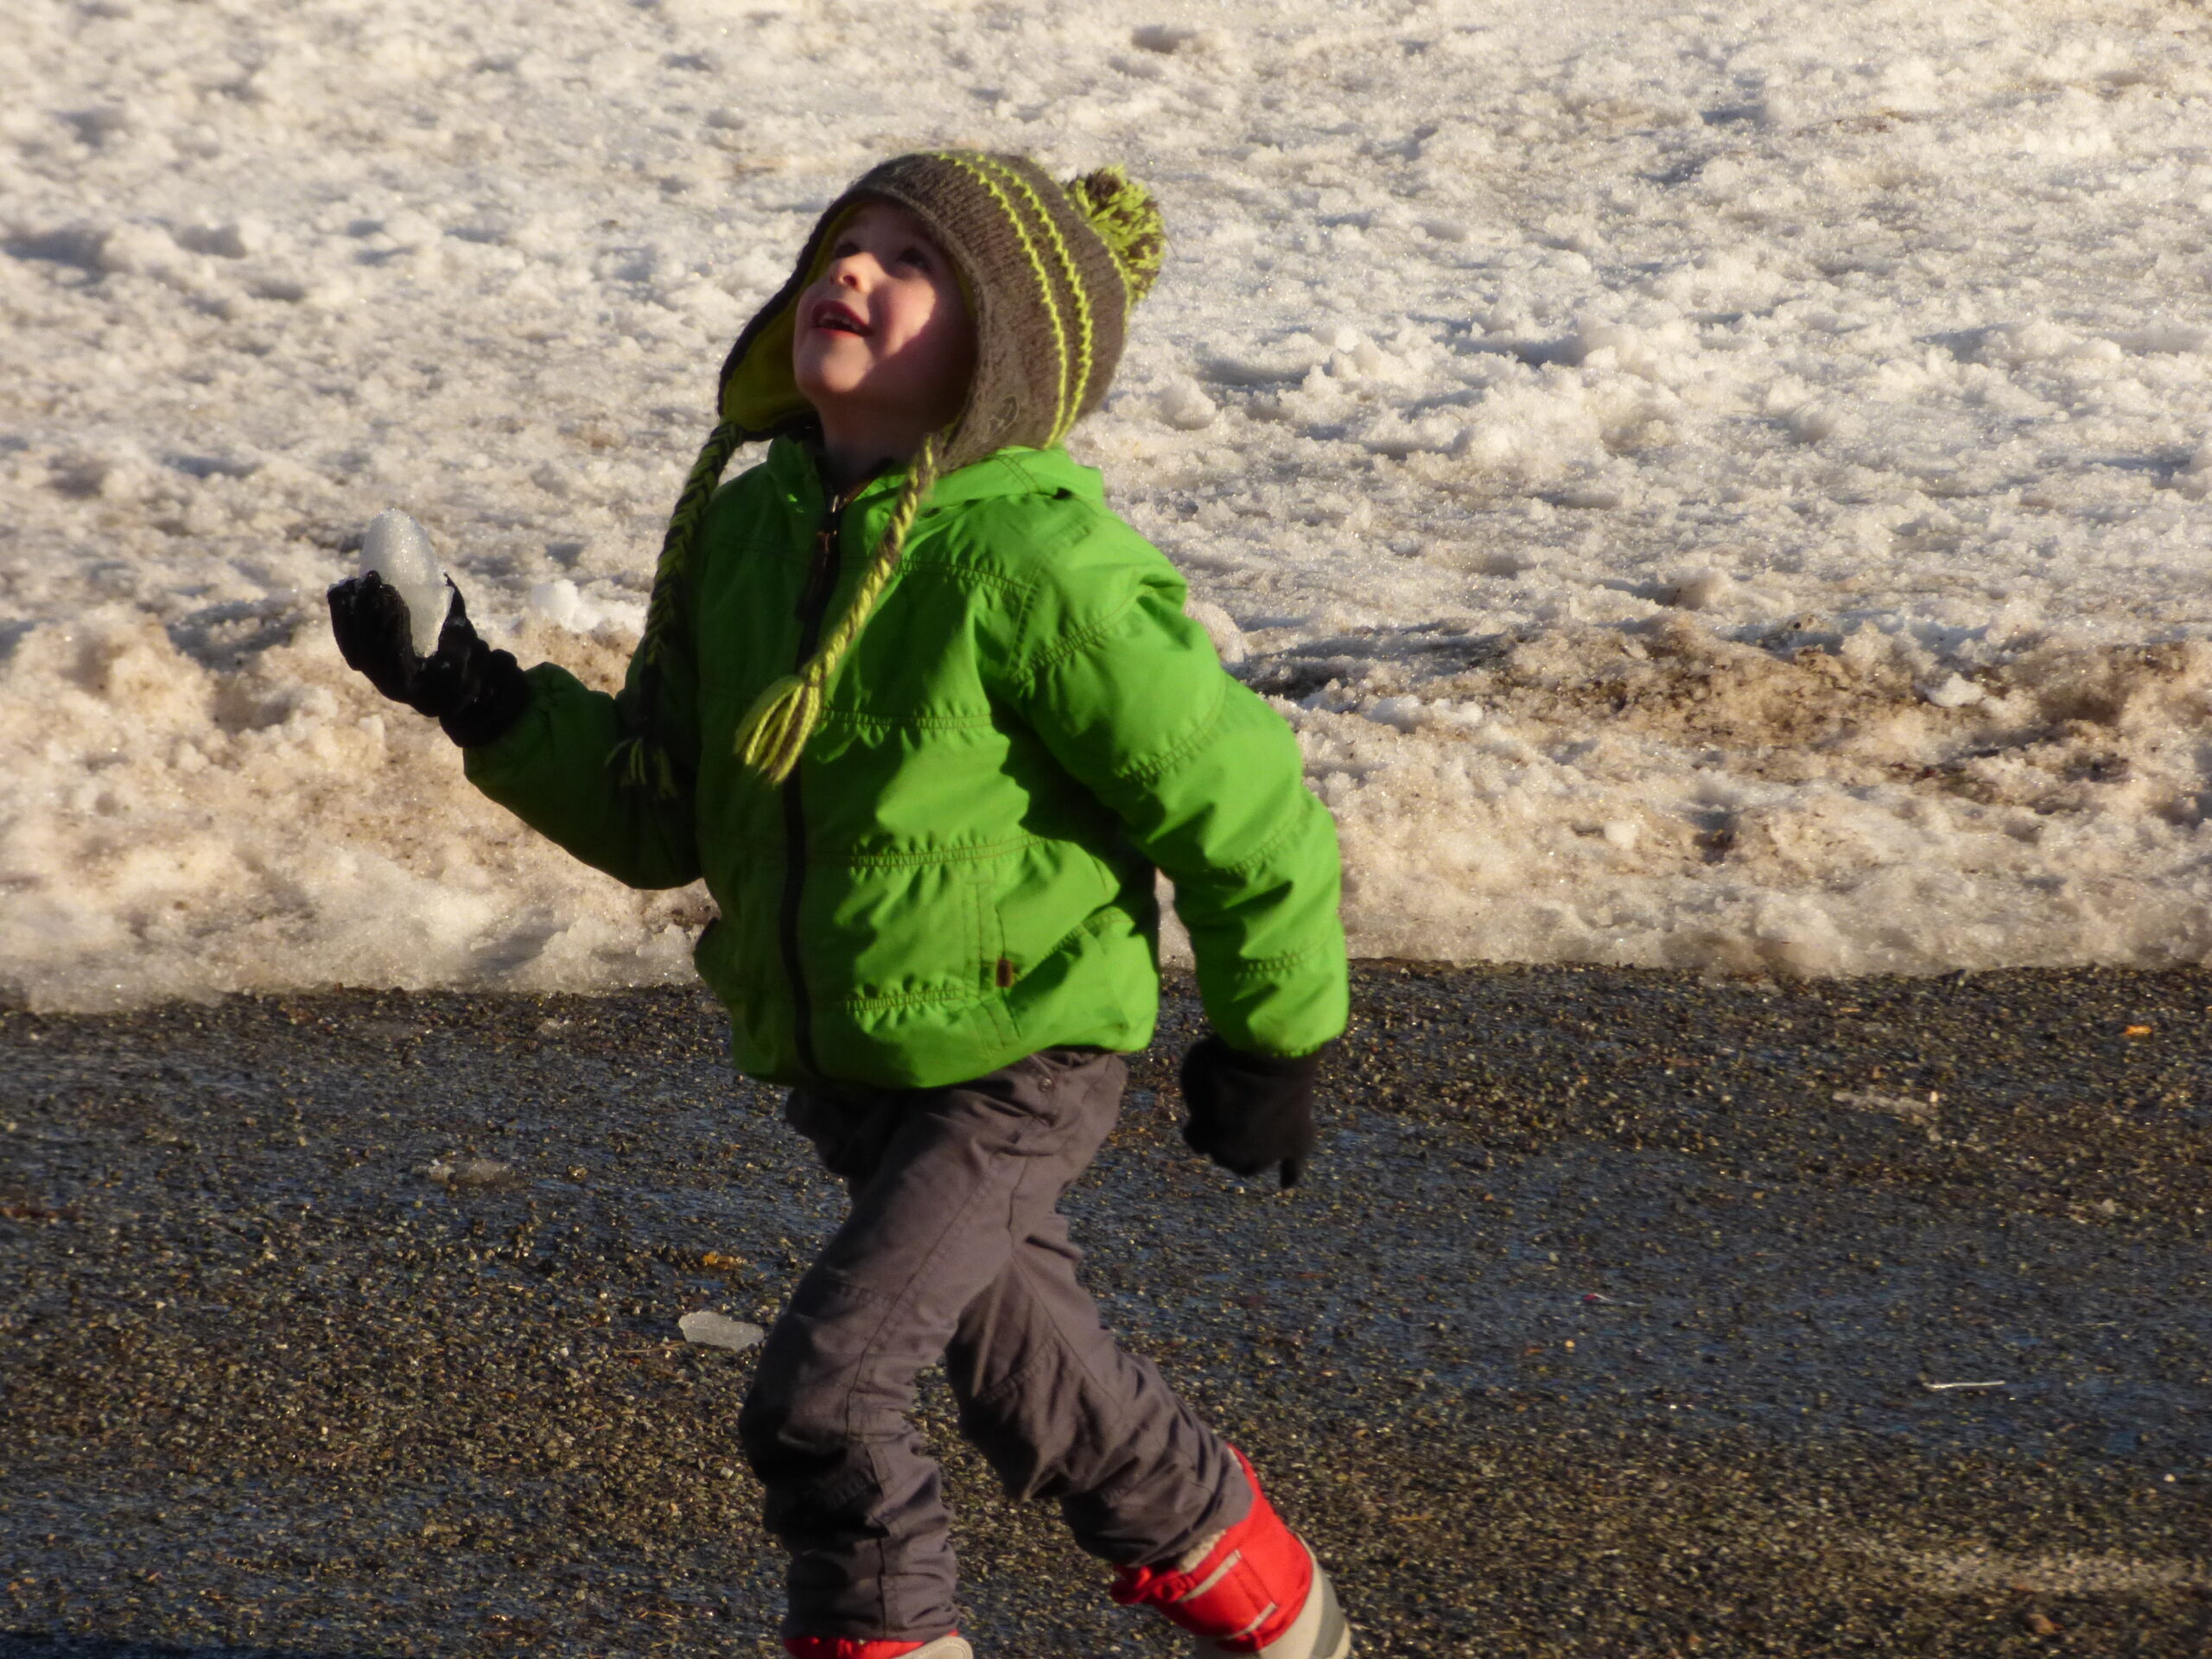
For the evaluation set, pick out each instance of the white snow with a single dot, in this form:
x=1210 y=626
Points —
x=1721 y=485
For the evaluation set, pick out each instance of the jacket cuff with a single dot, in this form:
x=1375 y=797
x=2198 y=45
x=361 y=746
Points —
x=1285 y=1066
x=495 y=704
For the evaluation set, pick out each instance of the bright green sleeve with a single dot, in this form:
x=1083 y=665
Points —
x=551 y=769
x=1207 y=780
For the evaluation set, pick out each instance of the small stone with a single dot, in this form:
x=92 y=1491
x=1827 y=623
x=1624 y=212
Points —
x=468 y=1171
x=1908 y=1107
x=711 y=1330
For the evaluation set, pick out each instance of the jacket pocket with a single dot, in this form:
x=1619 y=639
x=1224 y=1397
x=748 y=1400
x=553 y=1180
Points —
x=911 y=934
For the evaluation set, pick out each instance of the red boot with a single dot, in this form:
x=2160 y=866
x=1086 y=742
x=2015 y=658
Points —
x=839 y=1647
x=1255 y=1589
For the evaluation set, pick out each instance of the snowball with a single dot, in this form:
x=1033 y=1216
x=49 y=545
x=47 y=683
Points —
x=399 y=549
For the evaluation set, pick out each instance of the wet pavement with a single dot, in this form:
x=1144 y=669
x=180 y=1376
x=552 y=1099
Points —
x=1622 y=1313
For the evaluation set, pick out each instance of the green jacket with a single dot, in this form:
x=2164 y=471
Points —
x=960 y=872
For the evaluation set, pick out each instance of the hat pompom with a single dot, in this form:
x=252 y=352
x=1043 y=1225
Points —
x=1128 y=220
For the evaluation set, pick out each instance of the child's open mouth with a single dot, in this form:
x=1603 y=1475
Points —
x=838 y=319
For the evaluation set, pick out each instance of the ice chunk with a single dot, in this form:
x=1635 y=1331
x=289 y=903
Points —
x=1221 y=628
x=1910 y=1108
x=719 y=1330
x=1404 y=712
x=1700 y=590
x=468 y=1171
x=2196 y=477
x=1186 y=406
x=560 y=602
x=1955 y=692
x=399 y=549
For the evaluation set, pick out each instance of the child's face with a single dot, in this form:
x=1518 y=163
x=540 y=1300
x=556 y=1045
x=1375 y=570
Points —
x=884 y=332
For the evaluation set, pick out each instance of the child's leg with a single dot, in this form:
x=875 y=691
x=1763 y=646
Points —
x=945 y=1182
x=1063 y=1412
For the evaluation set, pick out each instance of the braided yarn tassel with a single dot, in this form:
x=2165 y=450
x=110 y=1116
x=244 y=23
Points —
x=774 y=731
x=641 y=761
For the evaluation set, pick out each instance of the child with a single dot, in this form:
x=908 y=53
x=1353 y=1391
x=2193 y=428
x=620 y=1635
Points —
x=926 y=715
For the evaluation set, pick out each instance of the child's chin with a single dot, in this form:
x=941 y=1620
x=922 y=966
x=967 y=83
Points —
x=817 y=387
x=824 y=374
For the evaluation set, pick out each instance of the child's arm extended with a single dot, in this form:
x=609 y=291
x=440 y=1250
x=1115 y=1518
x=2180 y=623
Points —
x=1208 y=780
x=538 y=743
x=555 y=770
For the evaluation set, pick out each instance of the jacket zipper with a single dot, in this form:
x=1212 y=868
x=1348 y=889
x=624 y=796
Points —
x=813 y=605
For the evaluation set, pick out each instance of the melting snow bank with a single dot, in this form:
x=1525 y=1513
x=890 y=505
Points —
x=1667 y=798
x=1654 y=795
x=179 y=827
x=1718 y=487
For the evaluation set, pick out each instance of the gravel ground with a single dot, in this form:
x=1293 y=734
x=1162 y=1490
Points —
x=1615 y=1318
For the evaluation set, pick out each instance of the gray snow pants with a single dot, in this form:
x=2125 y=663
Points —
x=954 y=1246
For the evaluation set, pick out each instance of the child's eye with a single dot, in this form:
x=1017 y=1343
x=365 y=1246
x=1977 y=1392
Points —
x=914 y=256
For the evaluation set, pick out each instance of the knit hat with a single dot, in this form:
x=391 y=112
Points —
x=1050 y=272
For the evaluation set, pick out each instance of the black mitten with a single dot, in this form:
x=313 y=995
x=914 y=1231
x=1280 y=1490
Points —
x=474 y=692
x=1248 y=1111
x=374 y=635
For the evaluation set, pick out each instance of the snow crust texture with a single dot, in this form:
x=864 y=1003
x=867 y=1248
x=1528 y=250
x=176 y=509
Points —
x=1725 y=486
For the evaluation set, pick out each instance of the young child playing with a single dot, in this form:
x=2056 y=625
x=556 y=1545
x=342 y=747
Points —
x=926 y=717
